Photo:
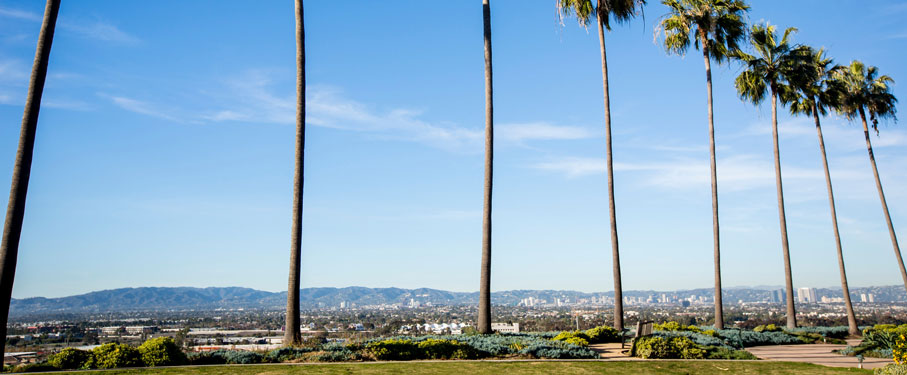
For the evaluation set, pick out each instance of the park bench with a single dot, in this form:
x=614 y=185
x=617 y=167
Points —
x=643 y=328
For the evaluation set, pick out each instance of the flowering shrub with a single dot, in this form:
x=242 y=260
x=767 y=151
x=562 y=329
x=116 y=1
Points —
x=899 y=350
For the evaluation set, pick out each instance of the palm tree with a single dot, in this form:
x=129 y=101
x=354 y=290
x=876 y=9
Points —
x=621 y=11
x=716 y=27
x=15 y=211
x=484 y=321
x=865 y=91
x=814 y=94
x=776 y=61
x=292 y=335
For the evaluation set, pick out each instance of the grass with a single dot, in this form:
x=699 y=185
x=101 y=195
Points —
x=498 y=367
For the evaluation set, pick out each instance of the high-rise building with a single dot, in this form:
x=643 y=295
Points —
x=872 y=298
x=863 y=297
x=778 y=296
x=807 y=295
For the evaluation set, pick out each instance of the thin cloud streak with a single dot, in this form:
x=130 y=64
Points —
x=96 y=30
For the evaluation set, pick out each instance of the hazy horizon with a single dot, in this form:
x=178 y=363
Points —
x=164 y=149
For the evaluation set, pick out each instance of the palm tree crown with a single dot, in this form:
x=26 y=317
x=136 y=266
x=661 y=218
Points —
x=718 y=24
x=619 y=10
x=863 y=88
x=776 y=63
x=811 y=83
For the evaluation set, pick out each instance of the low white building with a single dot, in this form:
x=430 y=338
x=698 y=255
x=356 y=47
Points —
x=506 y=328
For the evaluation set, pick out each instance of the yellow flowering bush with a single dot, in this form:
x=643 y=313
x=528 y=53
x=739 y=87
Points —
x=899 y=351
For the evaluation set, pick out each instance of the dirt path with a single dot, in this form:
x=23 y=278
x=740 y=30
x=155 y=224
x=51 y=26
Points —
x=820 y=354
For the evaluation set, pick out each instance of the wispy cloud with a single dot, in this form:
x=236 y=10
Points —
x=144 y=108
x=19 y=14
x=541 y=131
x=101 y=31
x=735 y=173
x=97 y=30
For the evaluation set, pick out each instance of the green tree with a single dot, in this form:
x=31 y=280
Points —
x=621 y=11
x=15 y=210
x=484 y=320
x=814 y=93
x=863 y=90
x=716 y=27
x=292 y=335
x=769 y=71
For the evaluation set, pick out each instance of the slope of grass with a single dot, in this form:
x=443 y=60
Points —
x=499 y=367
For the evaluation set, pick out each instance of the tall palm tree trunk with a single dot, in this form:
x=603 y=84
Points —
x=615 y=252
x=719 y=312
x=484 y=321
x=788 y=281
x=875 y=172
x=292 y=334
x=15 y=211
x=848 y=306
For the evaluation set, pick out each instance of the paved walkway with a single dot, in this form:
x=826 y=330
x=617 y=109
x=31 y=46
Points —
x=613 y=351
x=820 y=354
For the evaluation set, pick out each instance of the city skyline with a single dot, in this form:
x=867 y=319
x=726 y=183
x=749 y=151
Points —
x=176 y=142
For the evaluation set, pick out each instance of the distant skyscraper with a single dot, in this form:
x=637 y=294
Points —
x=807 y=295
x=778 y=296
x=863 y=297
x=872 y=298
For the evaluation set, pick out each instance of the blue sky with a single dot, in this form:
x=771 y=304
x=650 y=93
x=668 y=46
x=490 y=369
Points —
x=164 y=151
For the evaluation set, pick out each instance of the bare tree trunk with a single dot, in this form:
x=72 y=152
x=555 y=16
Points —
x=875 y=172
x=719 y=311
x=15 y=211
x=848 y=306
x=612 y=214
x=788 y=281
x=484 y=321
x=293 y=336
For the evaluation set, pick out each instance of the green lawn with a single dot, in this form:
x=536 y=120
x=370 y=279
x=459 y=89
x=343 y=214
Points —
x=494 y=367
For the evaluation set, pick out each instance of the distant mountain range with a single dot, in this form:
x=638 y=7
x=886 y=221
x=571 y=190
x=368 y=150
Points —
x=185 y=298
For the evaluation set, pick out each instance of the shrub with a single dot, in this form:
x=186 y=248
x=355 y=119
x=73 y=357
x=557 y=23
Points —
x=241 y=357
x=687 y=348
x=286 y=354
x=892 y=369
x=162 y=351
x=564 y=336
x=69 y=359
x=603 y=334
x=675 y=326
x=35 y=367
x=207 y=358
x=114 y=356
x=557 y=350
x=446 y=349
x=714 y=352
x=654 y=347
x=767 y=328
x=393 y=350
x=899 y=351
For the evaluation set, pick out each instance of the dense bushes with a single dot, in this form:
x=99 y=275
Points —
x=478 y=346
x=882 y=341
x=69 y=359
x=892 y=369
x=603 y=334
x=682 y=347
x=578 y=338
x=162 y=351
x=113 y=356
